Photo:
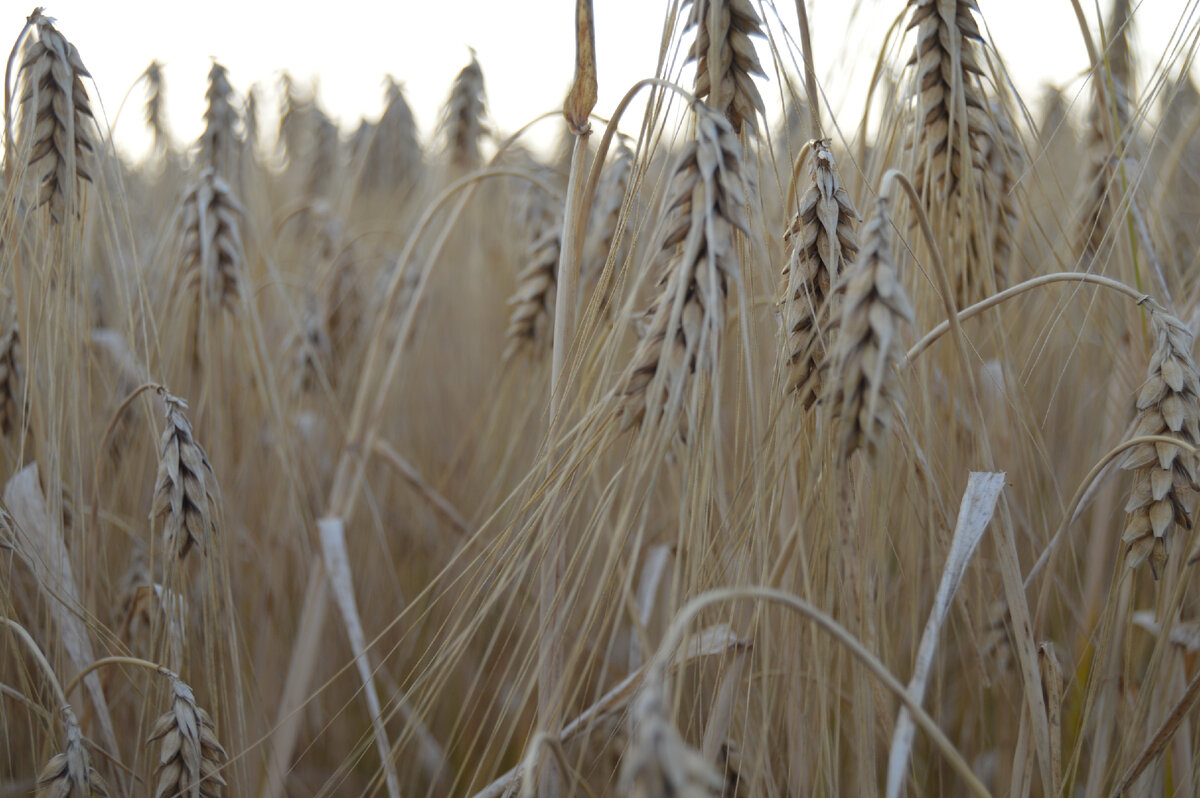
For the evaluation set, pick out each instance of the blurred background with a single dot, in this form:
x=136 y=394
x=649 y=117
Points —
x=344 y=52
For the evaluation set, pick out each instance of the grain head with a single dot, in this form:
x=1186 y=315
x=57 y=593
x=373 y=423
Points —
x=184 y=486
x=1168 y=403
x=70 y=774
x=154 y=105
x=219 y=144
x=190 y=756
x=874 y=305
x=463 y=117
x=58 y=131
x=211 y=241
x=820 y=241
x=726 y=61
x=704 y=206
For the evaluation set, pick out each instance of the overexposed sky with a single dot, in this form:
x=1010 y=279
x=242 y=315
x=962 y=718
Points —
x=525 y=47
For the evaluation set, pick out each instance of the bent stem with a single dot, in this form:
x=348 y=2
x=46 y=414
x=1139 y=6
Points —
x=656 y=674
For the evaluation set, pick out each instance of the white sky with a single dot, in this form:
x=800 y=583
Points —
x=524 y=46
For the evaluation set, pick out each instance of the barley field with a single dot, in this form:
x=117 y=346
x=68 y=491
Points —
x=740 y=447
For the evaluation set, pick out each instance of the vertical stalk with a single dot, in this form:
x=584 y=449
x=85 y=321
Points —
x=551 y=611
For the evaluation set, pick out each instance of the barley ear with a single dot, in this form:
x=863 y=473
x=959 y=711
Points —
x=60 y=131
x=1165 y=483
x=868 y=345
x=462 y=118
x=821 y=241
x=184 y=486
x=70 y=774
x=190 y=757
x=705 y=205
x=726 y=61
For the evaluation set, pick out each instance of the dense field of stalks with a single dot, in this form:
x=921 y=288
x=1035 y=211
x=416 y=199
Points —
x=738 y=450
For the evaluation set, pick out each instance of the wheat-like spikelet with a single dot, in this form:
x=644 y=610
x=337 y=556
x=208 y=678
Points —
x=1168 y=403
x=726 y=61
x=705 y=205
x=309 y=350
x=190 y=757
x=1003 y=155
x=59 y=129
x=868 y=342
x=606 y=212
x=954 y=136
x=945 y=60
x=184 y=486
x=323 y=161
x=462 y=118
x=70 y=774
x=218 y=142
x=154 y=105
x=211 y=241
x=393 y=151
x=10 y=377
x=135 y=618
x=532 y=317
x=821 y=240
x=1121 y=58
x=250 y=116
x=659 y=763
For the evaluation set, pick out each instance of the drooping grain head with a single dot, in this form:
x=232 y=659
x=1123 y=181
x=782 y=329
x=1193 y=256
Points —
x=70 y=774
x=956 y=137
x=190 y=756
x=726 y=61
x=184 y=486
x=868 y=343
x=57 y=130
x=251 y=116
x=323 y=161
x=462 y=121
x=659 y=763
x=219 y=143
x=10 y=377
x=703 y=208
x=820 y=241
x=948 y=92
x=393 y=150
x=1165 y=483
x=211 y=242
x=1003 y=155
x=309 y=351
x=606 y=211
x=154 y=105
x=532 y=319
